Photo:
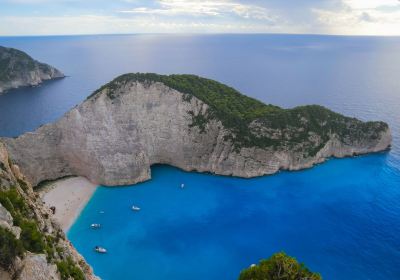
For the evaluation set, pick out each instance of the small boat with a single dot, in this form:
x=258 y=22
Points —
x=95 y=226
x=101 y=212
x=135 y=208
x=182 y=186
x=100 y=250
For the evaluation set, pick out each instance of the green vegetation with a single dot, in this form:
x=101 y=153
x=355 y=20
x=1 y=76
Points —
x=10 y=247
x=31 y=237
x=222 y=98
x=253 y=123
x=279 y=267
x=69 y=270
x=14 y=203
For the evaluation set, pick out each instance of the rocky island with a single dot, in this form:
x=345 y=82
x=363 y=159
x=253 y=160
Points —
x=18 y=69
x=192 y=123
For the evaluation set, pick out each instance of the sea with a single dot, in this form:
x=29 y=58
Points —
x=341 y=218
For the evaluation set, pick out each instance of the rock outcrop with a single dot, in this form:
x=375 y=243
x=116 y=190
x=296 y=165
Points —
x=32 y=244
x=17 y=69
x=142 y=119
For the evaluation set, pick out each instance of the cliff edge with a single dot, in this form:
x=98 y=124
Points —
x=17 y=69
x=189 y=122
x=32 y=244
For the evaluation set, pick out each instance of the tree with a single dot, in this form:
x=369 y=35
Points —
x=279 y=267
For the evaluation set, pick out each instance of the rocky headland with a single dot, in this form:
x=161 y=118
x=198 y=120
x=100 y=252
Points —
x=18 y=69
x=193 y=123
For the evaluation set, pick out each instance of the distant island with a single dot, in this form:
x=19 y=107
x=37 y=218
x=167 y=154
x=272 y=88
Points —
x=18 y=69
x=190 y=122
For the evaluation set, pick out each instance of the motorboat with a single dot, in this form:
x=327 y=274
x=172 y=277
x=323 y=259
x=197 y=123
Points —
x=95 y=226
x=100 y=250
x=135 y=208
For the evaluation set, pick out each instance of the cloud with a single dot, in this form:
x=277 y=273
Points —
x=352 y=17
x=370 y=4
x=204 y=8
x=361 y=17
x=95 y=24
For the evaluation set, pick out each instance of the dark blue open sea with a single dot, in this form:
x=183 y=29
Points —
x=341 y=218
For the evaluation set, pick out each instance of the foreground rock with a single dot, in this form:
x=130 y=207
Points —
x=32 y=244
x=17 y=69
x=189 y=122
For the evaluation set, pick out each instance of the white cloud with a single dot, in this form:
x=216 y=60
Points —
x=94 y=24
x=370 y=4
x=205 y=8
x=362 y=17
x=352 y=17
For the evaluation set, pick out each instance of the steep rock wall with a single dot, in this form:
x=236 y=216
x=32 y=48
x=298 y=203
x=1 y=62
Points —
x=28 y=265
x=114 y=141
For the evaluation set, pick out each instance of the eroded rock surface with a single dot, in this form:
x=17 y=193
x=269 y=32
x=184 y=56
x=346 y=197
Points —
x=118 y=133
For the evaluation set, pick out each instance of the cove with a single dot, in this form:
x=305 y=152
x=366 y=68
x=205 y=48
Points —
x=341 y=218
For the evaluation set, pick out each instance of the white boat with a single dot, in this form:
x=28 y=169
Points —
x=95 y=226
x=100 y=250
x=135 y=208
x=182 y=186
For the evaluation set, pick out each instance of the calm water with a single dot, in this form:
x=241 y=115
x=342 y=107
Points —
x=341 y=218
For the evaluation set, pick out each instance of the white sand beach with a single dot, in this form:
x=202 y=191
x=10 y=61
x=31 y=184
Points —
x=69 y=196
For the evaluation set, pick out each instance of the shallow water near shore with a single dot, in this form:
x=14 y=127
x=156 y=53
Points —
x=341 y=218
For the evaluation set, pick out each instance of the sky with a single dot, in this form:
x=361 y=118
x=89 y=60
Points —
x=332 y=17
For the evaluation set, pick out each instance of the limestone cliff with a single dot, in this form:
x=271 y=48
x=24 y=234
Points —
x=32 y=245
x=17 y=69
x=189 y=122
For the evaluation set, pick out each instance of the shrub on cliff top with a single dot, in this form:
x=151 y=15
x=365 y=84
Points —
x=10 y=247
x=69 y=270
x=279 y=267
x=31 y=237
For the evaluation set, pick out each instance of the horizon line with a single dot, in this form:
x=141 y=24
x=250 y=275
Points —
x=199 y=33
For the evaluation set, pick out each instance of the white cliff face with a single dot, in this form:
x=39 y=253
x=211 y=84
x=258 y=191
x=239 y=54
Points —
x=115 y=141
x=19 y=70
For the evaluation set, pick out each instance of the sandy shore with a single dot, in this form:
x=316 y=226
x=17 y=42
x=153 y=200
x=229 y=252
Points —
x=69 y=196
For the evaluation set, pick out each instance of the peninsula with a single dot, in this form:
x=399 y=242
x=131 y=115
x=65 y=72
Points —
x=190 y=122
x=18 y=69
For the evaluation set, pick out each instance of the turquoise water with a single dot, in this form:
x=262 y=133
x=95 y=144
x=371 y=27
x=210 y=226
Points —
x=341 y=218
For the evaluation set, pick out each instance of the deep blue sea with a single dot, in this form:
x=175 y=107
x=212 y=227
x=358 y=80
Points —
x=341 y=218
